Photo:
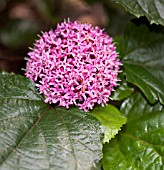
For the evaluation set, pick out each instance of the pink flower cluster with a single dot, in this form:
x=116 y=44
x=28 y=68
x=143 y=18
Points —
x=74 y=64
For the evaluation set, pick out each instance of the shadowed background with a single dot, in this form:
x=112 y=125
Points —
x=22 y=20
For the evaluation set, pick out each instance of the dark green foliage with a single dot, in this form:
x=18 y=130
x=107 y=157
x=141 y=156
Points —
x=152 y=9
x=127 y=133
x=33 y=134
x=140 y=145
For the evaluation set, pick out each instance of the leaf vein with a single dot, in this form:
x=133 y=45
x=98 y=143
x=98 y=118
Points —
x=74 y=152
x=25 y=136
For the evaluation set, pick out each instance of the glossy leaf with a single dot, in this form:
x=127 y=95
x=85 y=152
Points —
x=15 y=86
x=34 y=135
x=122 y=92
x=111 y=120
x=144 y=62
x=141 y=144
x=152 y=9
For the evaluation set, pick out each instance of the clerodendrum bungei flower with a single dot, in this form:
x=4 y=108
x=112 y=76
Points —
x=74 y=64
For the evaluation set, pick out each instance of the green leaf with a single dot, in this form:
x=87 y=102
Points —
x=144 y=62
x=152 y=9
x=151 y=86
x=34 y=135
x=111 y=120
x=140 y=145
x=138 y=37
x=122 y=92
x=17 y=87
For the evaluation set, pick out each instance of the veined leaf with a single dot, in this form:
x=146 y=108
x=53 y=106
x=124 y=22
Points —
x=111 y=120
x=34 y=135
x=141 y=144
x=152 y=9
x=143 y=60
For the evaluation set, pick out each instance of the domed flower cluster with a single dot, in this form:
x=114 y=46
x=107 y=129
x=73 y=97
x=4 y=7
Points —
x=74 y=64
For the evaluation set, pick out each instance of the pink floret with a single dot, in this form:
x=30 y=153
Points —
x=76 y=64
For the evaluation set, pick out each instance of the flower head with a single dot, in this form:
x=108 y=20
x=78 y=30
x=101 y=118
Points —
x=74 y=64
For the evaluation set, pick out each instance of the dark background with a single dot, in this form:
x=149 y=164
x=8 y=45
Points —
x=22 y=20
